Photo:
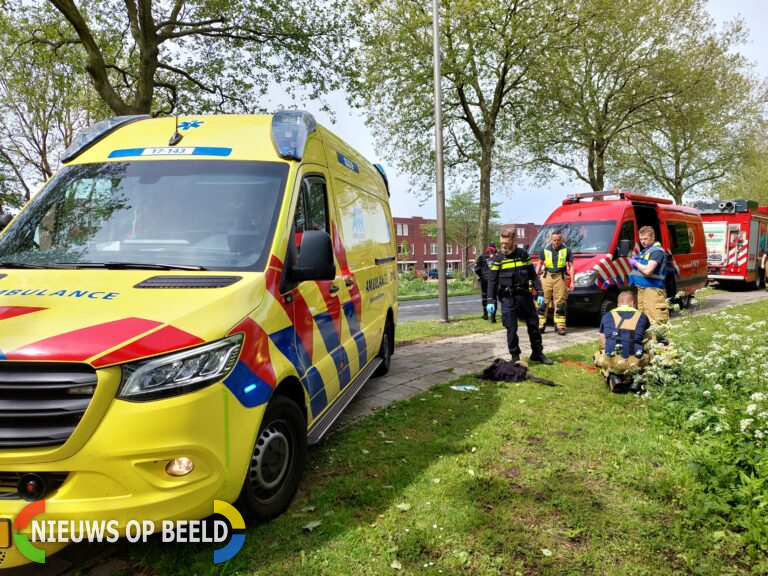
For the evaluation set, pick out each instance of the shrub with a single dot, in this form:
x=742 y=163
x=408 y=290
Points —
x=713 y=387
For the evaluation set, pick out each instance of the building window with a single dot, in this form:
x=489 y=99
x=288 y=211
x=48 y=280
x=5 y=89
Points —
x=433 y=248
x=520 y=232
x=425 y=248
x=405 y=229
x=448 y=249
x=413 y=252
x=399 y=229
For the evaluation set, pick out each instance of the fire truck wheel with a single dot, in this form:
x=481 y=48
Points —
x=610 y=301
x=277 y=461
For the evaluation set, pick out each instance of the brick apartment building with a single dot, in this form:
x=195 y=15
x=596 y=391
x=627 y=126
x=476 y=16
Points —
x=422 y=248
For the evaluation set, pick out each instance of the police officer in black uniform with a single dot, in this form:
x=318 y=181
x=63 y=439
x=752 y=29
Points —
x=481 y=269
x=509 y=279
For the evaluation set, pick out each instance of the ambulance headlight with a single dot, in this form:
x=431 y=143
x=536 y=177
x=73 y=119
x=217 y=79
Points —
x=181 y=372
x=585 y=279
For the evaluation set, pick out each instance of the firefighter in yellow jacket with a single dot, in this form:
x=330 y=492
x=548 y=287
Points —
x=556 y=271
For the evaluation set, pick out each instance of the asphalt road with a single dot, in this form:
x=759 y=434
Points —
x=458 y=305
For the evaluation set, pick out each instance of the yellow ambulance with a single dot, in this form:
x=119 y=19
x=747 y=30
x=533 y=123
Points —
x=184 y=307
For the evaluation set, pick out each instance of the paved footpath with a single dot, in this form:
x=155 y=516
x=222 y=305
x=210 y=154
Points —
x=418 y=367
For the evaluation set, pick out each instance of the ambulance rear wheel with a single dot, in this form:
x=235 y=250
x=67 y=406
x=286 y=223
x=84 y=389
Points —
x=385 y=352
x=277 y=461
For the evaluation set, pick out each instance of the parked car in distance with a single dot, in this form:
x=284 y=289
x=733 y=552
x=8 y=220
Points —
x=433 y=274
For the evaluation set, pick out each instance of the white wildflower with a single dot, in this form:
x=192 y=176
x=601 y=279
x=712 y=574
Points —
x=751 y=409
x=746 y=423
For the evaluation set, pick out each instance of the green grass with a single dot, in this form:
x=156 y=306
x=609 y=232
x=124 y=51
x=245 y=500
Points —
x=511 y=479
x=425 y=330
x=425 y=296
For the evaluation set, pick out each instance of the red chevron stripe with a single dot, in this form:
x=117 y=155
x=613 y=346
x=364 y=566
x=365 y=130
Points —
x=255 y=353
x=298 y=311
x=167 y=339
x=79 y=345
x=13 y=311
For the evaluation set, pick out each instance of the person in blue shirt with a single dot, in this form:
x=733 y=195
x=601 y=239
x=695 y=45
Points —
x=649 y=271
x=622 y=334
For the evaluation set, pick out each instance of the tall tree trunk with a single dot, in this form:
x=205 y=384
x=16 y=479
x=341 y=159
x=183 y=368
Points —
x=485 y=197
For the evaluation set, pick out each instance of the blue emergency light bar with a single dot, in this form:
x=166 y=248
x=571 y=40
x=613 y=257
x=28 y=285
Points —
x=290 y=130
x=95 y=132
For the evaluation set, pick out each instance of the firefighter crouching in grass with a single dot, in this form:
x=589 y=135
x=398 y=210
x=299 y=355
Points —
x=649 y=270
x=556 y=271
x=623 y=354
x=509 y=280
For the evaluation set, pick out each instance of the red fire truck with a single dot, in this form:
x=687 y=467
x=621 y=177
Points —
x=601 y=230
x=735 y=232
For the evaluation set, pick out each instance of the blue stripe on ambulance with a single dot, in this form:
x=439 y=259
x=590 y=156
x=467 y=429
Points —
x=2 y=356
x=196 y=151
x=313 y=382
x=247 y=387
x=354 y=329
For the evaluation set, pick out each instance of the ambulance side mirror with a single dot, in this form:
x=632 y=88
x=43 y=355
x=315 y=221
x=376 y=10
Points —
x=5 y=219
x=625 y=247
x=315 y=258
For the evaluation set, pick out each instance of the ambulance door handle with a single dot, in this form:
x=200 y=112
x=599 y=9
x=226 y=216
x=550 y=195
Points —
x=349 y=282
x=333 y=289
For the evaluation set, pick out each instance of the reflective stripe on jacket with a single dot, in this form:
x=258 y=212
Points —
x=655 y=280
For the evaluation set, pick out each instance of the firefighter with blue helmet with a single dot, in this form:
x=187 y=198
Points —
x=510 y=279
x=649 y=271
x=622 y=334
x=556 y=271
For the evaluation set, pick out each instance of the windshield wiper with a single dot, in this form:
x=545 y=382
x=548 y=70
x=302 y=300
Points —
x=23 y=265
x=130 y=266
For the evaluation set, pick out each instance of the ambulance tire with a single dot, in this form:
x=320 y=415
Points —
x=277 y=462
x=385 y=351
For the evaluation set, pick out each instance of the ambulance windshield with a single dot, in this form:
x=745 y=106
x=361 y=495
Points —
x=580 y=237
x=213 y=215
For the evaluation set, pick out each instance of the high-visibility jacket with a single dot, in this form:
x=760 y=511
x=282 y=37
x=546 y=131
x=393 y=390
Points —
x=559 y=265
x=629 y=326
x=655 y=280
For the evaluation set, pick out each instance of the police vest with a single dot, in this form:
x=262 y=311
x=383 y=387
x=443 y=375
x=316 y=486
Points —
x=562 y=258
x=513 y=271
x=655 y=280
x=624 y=332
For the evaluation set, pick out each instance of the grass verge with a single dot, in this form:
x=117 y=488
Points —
x=426 y=330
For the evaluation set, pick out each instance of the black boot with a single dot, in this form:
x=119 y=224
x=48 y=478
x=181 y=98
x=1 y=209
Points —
x=541 y=359
x=485 y=316
x=493 y=318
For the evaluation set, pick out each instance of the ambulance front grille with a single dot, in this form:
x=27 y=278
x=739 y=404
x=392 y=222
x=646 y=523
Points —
x=41 y=404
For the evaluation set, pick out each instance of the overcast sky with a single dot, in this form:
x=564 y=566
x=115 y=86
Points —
x=529 y=203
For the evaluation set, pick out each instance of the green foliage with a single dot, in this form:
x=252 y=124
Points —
x=196 y=55
x=409 y=284
x=714 y=388
x=749 y=177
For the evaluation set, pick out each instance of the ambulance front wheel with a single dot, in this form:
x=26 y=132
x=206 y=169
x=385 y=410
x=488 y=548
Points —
x=385 y=351
x=610 y=301
x=277 y=461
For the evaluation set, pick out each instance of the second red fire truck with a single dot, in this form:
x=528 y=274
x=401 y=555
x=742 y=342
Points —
x=735 y=232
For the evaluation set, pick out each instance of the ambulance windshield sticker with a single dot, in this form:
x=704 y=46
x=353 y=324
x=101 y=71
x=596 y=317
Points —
x=347 y=162
x=171 y=151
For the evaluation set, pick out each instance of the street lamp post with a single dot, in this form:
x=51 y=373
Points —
x=439 y=174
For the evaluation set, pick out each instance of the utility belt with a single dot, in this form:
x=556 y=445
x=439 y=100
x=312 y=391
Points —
x=509 y=291
x=555 y=273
